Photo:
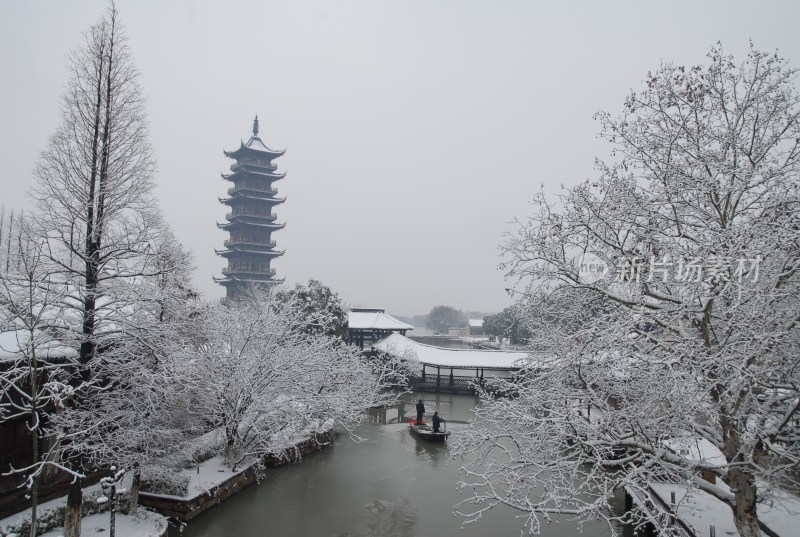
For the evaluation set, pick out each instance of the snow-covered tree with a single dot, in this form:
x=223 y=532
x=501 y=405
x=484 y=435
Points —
x=93 y=182
x=441 y=318
x=263 y=380
x=135 y=411
x=322 y=309
x=35 y=367
x=664 y=299
x=96 y=211
x=507 y=324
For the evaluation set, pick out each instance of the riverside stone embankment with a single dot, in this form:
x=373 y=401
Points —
x=218 y=487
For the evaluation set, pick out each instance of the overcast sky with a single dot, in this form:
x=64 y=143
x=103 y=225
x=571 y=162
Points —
x=416 y=131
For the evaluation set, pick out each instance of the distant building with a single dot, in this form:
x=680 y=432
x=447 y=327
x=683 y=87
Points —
x=251 y=222
x=475 y=327
x=459 y=331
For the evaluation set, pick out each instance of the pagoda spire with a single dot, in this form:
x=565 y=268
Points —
x=255 y=126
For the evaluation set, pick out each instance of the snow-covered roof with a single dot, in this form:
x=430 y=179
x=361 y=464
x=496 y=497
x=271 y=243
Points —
x=363 y=319
x=428 y=354
x=252 y=170
x=696 y=449
x=250 y=220
x=13 y=342
x=256 y=144
x=476 y=323
x=700 y=510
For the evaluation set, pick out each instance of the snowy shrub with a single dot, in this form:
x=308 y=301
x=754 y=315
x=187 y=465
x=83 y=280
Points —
x=197 y=450
x=161 y=480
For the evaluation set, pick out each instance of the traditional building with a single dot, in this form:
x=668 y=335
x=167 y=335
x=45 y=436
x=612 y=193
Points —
x=251 y=221
x=369 y=325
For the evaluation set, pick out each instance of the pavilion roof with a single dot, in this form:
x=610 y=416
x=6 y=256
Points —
x=374 y=319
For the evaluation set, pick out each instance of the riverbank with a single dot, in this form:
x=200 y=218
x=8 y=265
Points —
x=210 y=483
x=143 y=524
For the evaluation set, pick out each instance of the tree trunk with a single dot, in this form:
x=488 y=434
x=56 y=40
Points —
x=133 y=505
x=34 y=431
x=34 y=503
x=744 y=512
x=230 y=454
x=88 y=344
x=72 y=518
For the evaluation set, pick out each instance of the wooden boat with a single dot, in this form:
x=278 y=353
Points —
x=426 y=432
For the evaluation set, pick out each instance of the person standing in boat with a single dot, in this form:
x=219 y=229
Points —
x=437 y=421
x=420 y=412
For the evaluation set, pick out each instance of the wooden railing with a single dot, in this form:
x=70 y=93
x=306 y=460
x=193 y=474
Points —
x=230 y=242
x=270 y=272
x=248 y=186
x=233 y=214
x=253 y=162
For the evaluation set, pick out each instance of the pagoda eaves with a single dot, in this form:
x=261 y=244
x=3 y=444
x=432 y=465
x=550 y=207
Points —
x=254 y=148
x=250 y=249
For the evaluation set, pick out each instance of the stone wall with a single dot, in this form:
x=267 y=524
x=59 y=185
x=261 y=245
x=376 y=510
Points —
x=186 y=509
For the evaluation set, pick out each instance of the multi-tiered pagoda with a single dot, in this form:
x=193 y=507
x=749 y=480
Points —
x=252 y=198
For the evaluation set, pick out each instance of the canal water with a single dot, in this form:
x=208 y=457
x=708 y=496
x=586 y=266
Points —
x=390 y=484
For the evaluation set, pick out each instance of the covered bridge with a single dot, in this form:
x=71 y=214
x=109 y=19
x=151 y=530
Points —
x=453 y=370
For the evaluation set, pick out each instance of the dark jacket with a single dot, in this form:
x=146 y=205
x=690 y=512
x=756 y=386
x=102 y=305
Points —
x=420 y=408
x=437 y=420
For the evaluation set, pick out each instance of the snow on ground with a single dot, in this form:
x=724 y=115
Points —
x=701 y=510
x=46 y=509
x=212 y=473
x=780 y=514
x=204 y=477
x=143 y=524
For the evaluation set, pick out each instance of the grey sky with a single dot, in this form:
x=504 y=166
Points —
x=415 y=131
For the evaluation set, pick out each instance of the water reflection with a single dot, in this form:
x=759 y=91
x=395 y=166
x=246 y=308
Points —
x=385 y=517
x=434 y=454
